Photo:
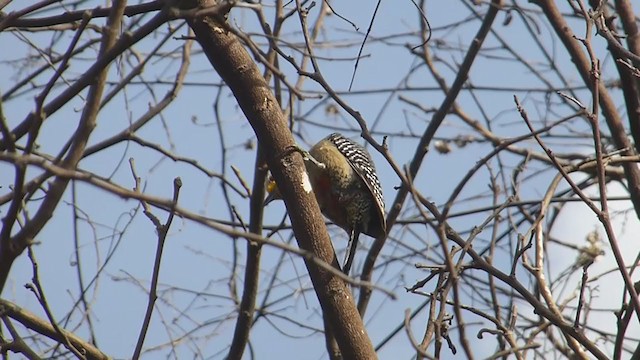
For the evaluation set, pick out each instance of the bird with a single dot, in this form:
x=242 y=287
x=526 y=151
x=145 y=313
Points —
x=346 y=186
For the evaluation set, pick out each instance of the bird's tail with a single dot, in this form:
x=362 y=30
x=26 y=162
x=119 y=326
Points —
x=351 y=251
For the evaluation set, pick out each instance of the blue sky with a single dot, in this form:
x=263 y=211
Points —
x=194 y=279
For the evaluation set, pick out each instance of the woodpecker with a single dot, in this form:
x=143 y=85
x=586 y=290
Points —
x=346 y=186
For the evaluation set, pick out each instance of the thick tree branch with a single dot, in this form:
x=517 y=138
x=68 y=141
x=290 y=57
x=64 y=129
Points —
x=583 y=65
x=12 y=246
x=237 y=69
x=425 y=141
x=43 y=327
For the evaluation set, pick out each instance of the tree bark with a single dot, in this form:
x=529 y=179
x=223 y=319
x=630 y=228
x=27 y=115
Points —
x=236 y=67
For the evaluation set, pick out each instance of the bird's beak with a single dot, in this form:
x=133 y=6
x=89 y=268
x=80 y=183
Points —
x=269 y=199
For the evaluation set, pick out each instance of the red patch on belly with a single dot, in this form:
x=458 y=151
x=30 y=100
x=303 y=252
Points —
x=329 y=202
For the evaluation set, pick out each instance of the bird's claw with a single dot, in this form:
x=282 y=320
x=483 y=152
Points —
x=308 y=157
